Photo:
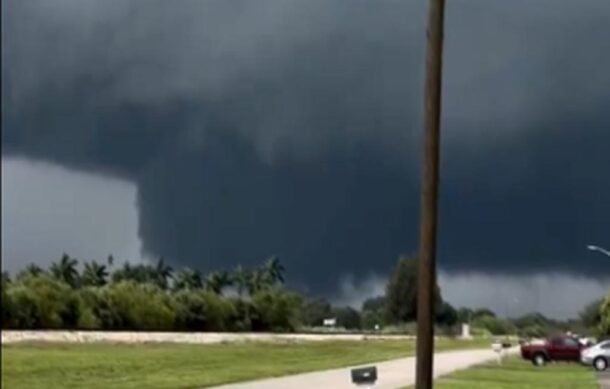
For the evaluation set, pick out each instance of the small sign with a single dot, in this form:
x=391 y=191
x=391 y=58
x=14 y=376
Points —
x=330 y=322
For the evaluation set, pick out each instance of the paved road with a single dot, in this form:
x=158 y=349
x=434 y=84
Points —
x=392 y=374
x=604 y=380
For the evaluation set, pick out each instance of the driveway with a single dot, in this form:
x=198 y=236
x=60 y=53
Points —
x=603 y=379
x=391 y=374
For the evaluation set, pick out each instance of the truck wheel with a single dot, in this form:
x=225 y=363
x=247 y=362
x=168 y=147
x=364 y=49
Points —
x=539 y=360
x=600 y=364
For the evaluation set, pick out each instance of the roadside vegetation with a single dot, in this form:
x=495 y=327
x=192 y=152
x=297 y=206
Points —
x=90 y=295
x=515 y=373
x=174 y=366
x=72 y=294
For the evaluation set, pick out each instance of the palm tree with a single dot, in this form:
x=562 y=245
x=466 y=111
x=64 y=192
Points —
x=65 y=270
x=94 y=274
x=257 y=281
x=139 y=273
x=31 y=270
x=217 y=281
x=188 y=279
x=123 y=274
x=274 y=271
x=163 y=273
x=242 y=279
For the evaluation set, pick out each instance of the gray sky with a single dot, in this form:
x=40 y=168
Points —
x=48 y=210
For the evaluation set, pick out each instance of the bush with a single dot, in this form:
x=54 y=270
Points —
x=590 y=316
x=199 y=310
x=99 y=301
x=533 y=331
x=409 y=328
x=131 y=306
x=323 y=330
x=40 y=302
x=494 y=325
x=314 y=312
x=276 y=310
x=6 y=303
x=241 y=317
x=87 y=320
x=446 y=315
x=371 y=318
x=20 y=308
x=604 y=317
x=482 y=332
x=348 y=318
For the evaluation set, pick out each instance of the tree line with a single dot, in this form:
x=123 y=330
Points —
x=144 y=296
x=148 y=297
x=399 y=305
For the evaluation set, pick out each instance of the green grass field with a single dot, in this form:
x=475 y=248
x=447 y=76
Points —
x=515 y=373
x=156 y=366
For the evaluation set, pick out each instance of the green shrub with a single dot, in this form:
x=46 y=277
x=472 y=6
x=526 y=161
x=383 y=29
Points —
x=200 y=310
x=87 y=320
x=6 y=304
x=604 y=317
x=276 y=310
x=482 y=332
x=495 y=325
x=127 y=305
x=241 y=316
x=314 y=311
x=40 y=302
x=371 y=318
x=347 y=317
x=409 y=328
x=533 y=331
x=21 y=308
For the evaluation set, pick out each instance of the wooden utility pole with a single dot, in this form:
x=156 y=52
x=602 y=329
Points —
x=426 y=279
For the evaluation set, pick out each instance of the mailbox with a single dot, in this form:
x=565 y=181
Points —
x=500 y=349
x=364 y=376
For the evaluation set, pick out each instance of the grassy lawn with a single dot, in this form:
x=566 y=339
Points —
x=156 y=366
x=518 y=374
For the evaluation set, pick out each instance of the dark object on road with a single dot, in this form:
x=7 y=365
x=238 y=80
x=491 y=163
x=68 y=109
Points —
x=506 y=345
x=364 y=375
x=556 y=348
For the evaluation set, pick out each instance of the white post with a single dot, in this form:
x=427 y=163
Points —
x=497 y=347
x=465 y=331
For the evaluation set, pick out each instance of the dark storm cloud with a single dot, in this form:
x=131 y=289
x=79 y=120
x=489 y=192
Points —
x=291 y=127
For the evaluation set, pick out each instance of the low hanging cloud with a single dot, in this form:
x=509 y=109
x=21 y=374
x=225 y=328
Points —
x=556 y=295
x=292 y=128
